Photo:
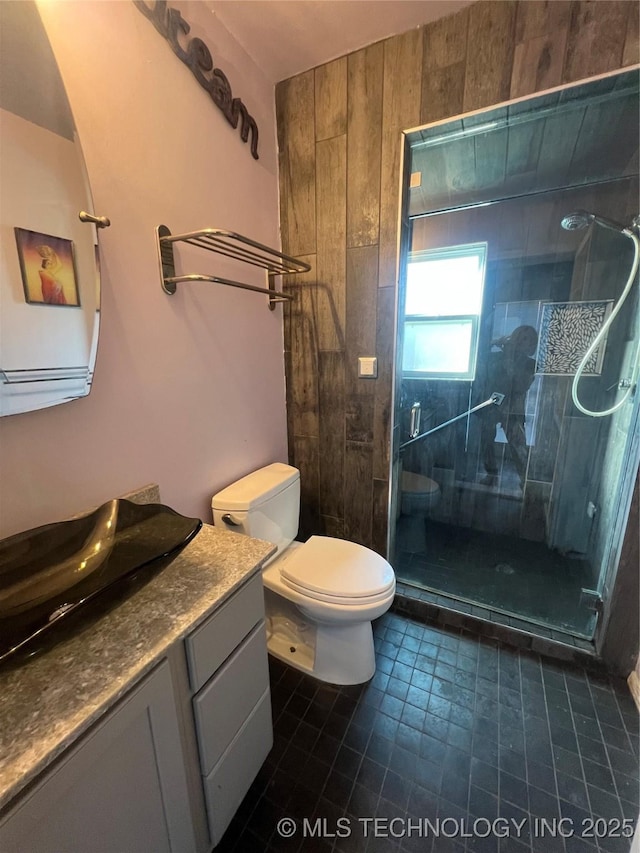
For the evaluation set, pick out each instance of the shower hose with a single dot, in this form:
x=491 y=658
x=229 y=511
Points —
x=602 y=333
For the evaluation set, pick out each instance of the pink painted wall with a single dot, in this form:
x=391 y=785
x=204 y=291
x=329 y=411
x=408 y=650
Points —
x=188 y=390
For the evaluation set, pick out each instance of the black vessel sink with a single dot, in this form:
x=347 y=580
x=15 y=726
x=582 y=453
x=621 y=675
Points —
x=51 y=574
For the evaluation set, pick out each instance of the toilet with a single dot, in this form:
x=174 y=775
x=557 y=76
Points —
x=419 y=494
x=321 y=595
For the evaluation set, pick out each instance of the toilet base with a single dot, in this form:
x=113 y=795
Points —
x=334 y=653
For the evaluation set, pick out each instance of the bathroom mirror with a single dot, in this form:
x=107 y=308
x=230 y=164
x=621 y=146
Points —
x=49 y=282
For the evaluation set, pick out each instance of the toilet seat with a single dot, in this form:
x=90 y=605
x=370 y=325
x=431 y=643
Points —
x=338 y=572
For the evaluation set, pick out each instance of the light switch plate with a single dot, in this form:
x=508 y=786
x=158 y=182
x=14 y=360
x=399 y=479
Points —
x=367 y=367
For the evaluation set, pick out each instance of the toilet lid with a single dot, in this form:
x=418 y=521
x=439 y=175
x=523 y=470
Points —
x=339 y=569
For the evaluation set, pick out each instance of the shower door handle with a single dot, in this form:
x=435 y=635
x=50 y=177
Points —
x=414 y=420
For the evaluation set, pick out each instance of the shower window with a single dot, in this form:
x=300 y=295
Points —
x=442 y=312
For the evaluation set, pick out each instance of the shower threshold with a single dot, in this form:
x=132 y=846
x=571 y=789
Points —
x=434 y=608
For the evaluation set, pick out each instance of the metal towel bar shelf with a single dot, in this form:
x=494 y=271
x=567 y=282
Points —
x=230 y=245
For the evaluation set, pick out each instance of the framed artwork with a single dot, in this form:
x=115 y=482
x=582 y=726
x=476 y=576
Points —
x=567 y=329
x=48 y=268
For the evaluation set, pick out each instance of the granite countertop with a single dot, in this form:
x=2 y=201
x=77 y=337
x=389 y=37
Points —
x=50 y=700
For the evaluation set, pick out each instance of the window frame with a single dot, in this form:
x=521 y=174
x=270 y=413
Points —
x=477 y=249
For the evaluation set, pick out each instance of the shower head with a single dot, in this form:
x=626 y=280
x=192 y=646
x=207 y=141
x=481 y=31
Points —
x=577 y=220
x=580 y=219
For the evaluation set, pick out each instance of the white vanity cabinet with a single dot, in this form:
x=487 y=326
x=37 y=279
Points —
x=189 y=737
x=122 y=787
x=229 y=674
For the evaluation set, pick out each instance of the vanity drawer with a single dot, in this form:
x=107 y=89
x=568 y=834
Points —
x=222 y=706
x=232 y=776
x=212 y=643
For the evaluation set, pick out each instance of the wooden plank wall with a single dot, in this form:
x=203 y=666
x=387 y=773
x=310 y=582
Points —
x=339 y=132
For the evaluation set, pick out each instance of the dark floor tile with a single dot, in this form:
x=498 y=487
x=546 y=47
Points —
x=541 y=776
x=622 y=761
x=303 y=798
x=357 y=737
x=482 y=804
x=573 y=790
x=392 y=706
x=371 y=775
x=486 y=750
x=568 y=762
x=543 y=804
x=450 y=727
x=455 y=789
x=385 y=726
x=347 y=762
x=396 y=789
x=397 y=687
x=484 y=775
x=604 y=805
x=379 y=749
x=512 y=762
x=362 y=802
x=597 y=775
x=627 y=788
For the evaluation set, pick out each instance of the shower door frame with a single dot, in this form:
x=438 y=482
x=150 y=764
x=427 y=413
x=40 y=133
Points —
x=609 y=568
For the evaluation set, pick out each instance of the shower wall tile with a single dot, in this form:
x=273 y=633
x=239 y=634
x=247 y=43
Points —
x=619 y=647
x=302 y=382
x=541 y=37
x=540 y=18
x=631 y=52
x=296 y=141
x=365 y=71
x=331 y=99
x=385 y=323
x=574 y=485
x=490 y=53
x=330 y=526
x=332 y=432
x=552 y=398
x=595 y=42
x=293 y=285
x=362 y=292
x=380 y=512
x=533 y=520
x=443 y=93
x=445 y=52
x=358 y=492
x=537 y=63
x=306 y=454
x=400 y=109
x=359 y=413
x=331 y=183
x=476 y=57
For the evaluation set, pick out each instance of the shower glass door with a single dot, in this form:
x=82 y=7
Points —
x=517 y=259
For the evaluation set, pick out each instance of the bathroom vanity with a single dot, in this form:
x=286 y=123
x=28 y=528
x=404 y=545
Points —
x=144 y=730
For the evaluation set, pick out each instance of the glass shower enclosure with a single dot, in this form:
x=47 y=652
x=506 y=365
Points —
x=517 y=329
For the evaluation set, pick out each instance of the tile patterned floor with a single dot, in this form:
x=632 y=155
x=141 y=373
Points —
x=464 y=732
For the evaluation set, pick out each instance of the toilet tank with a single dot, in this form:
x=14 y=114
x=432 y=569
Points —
x=264 y=504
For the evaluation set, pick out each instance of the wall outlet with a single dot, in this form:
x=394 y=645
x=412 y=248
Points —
x=367 y=367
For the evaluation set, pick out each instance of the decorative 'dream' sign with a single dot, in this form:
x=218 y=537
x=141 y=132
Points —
x=196 y=55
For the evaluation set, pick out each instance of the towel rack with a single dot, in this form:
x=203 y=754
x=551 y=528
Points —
x=231 y=245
